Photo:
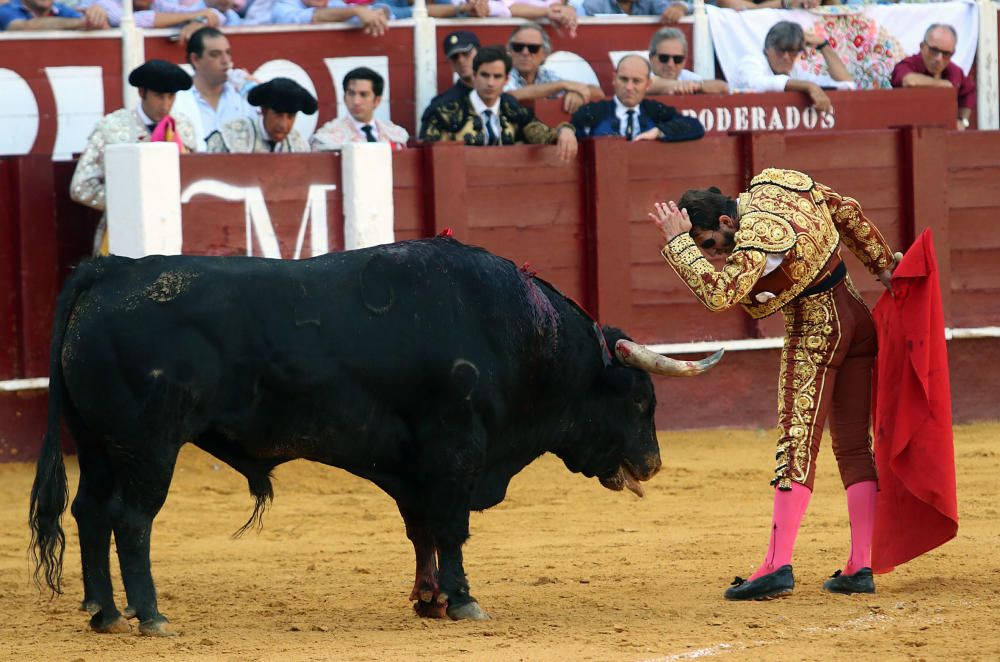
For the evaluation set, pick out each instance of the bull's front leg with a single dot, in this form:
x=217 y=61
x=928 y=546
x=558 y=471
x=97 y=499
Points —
x=426 y=594
x=453 y=584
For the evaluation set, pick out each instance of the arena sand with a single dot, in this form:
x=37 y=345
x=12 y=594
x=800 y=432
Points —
x=567 y=569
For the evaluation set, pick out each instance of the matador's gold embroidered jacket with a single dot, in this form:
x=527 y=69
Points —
x=784 y=212
x=120 y=127
x=458 y=121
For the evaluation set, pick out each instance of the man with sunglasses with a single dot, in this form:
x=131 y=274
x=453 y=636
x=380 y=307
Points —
x=630 y=114
x=932 y=67
x=776 y=71
x=668 y=51
x=528 y=47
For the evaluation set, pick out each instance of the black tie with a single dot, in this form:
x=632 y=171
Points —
x=492 y=136
x=270 y=145
x=369 y=136
x=628 y=128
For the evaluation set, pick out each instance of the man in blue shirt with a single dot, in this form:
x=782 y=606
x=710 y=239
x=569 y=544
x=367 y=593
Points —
x=49 y=15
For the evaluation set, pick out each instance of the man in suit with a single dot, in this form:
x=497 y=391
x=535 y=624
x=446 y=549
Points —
x=362 y=95
x=489 y=117
x=630 y=114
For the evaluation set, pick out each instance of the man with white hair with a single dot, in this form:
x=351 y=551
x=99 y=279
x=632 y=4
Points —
x=528 y=47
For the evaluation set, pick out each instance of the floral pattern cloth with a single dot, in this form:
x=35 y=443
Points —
x=867 y=50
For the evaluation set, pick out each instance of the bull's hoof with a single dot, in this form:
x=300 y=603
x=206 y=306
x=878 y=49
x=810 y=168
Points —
x=118 y=625
x=90 y=606
x=129 y=612
x=470 y=611
x=430 y=609
x=157 y=628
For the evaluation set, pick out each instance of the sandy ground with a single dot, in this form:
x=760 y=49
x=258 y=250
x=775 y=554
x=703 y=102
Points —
x=568 y=570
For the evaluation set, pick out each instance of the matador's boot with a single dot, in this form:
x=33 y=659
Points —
x=860 y=582
x=774 y=585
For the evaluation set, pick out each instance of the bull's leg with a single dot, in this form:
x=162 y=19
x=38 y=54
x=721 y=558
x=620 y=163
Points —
x=454 y=585
x=141 y=498
x=91 y=508
x=426 y=592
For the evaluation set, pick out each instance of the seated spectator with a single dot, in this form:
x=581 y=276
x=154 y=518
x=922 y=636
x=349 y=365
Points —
x=49 y=15
x=669 y=11
x=160 y=13
x=452 y=8
x=486 y=116
x=772 y=4
x=528 y=47
x=373 y=19
x=932 y=67
x=668 y=51
x=280 y=99
x=776 y=72
x=561 y=15
x=362 y=95
x=153 y=120
x=460 y=47
x=630 y=114
x=219 y=92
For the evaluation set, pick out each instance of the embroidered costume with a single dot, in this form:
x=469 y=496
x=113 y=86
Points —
x=245 y=135
x=338 y=132
x=458 y=120
x=786 y=257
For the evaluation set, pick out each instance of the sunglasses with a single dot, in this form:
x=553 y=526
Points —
x=664 y=58
x=937 y=51
x=518 y=47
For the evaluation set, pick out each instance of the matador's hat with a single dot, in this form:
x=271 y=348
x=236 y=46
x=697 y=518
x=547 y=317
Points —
x=283 y=95
x=159 y=76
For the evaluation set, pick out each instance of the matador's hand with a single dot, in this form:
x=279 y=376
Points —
x=671 y=220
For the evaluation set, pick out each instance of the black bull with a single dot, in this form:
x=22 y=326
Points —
x=433 y=369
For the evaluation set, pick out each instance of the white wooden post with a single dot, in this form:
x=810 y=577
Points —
x=987 y=85
x=368 y=207
x=133 y=53
x=702 y=50
x=143 y=183
x=424 y=58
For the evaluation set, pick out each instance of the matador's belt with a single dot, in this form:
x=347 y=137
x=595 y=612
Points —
x=831 y=279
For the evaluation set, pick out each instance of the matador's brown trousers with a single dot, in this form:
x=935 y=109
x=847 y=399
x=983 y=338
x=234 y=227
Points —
x=826 y=369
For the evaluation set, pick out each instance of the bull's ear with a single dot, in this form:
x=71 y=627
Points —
x=606 y=357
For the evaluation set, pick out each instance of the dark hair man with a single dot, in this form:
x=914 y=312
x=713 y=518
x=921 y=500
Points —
x=280 y=100
x=362 y=95
x=781 y=239
x=487 y=116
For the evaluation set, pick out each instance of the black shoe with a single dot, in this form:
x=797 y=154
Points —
x=774 y=585
x=860 y=582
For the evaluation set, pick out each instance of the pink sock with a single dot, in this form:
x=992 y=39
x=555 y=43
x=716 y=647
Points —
x=861 y=510
x=789 y=507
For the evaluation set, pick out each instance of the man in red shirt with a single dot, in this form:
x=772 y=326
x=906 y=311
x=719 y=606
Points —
x=932 y=67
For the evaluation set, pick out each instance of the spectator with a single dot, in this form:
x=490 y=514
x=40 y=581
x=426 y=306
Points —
x=777 y=72
x=373 y=19
x=486 y=116
x=740 y=5
x=362 y=95
x=49 y=15
x=528 y=47
x=932 y=67
x=280 y=99
x=561 y=15
x=217 y=96
x=630 y=114
x=669 y=11
x=668 y=51
x=160 y=13
x=460 y=47
x=151 y=121
x=452 y=9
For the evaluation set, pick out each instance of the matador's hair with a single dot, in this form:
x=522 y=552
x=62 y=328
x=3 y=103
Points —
x=705 y=206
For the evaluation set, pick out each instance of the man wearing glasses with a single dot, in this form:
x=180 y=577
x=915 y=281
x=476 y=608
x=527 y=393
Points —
x=776 y=71
x=668 y=50
x=932 y=67
x=528 y=47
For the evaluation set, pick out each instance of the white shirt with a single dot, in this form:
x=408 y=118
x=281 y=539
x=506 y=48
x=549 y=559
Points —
x=359 y=124
x=144 y=117
x=621 y=111
x=687 y=74
x=754 y=75
x=480 y=106
x=206 y=119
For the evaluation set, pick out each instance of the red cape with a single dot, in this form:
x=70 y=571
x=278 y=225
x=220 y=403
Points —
x=917 y=508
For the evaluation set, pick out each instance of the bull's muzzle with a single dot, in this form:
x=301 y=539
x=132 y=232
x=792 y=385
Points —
x=638 y=356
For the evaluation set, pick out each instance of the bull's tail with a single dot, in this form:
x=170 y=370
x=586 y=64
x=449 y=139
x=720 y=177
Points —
x=49 y=493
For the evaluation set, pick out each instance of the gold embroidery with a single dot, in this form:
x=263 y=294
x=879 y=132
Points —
x=717 y=290
x=790 y=179
x=766 y=232
x=812 y=333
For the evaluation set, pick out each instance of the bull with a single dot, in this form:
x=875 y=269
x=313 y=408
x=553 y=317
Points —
x=434 y=369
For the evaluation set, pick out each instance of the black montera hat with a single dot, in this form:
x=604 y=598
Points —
x=283 y=95
x=159 y=76
x=460 y=41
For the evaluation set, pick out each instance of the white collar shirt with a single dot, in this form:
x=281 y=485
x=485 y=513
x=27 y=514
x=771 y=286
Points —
x=621 y=111
x=480 y=107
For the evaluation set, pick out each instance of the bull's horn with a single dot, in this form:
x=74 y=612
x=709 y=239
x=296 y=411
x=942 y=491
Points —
x=637 y=356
